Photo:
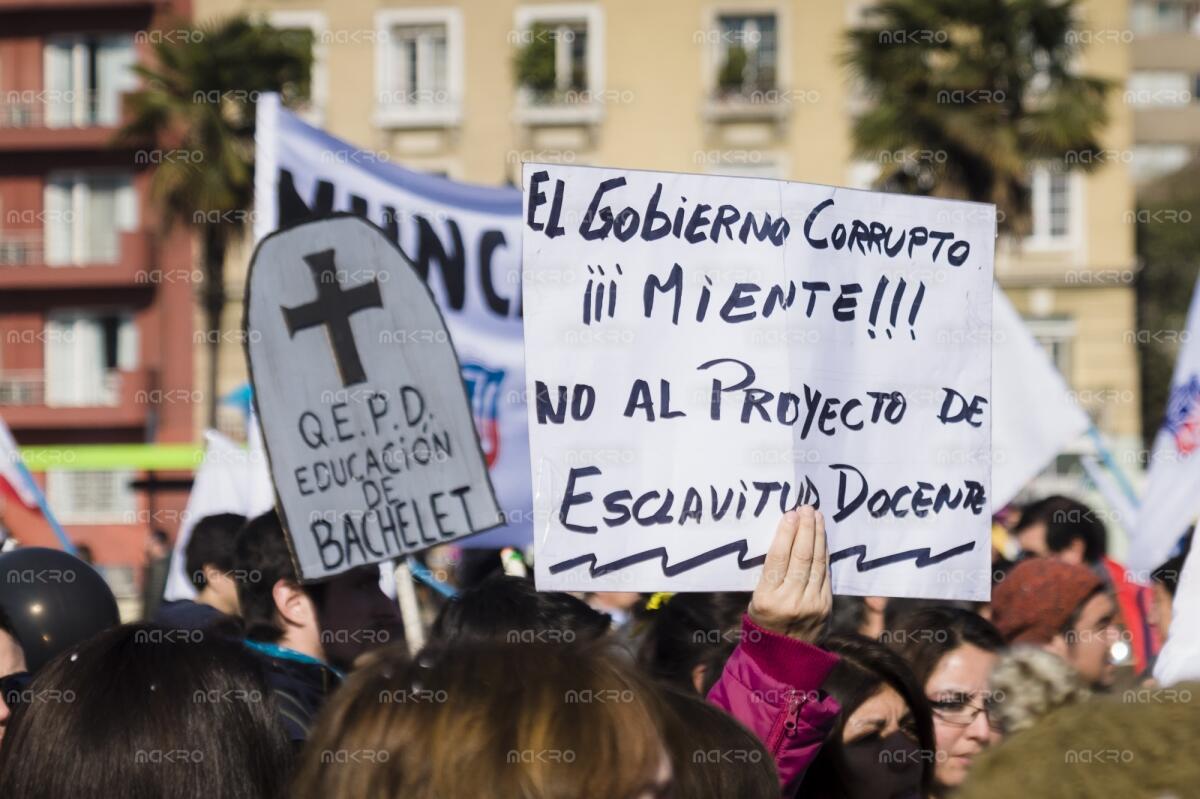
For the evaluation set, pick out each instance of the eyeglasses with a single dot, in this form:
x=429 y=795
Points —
x=961 y=713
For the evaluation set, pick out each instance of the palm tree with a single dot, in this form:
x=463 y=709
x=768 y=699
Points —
x=198 y=98
x=964 y=96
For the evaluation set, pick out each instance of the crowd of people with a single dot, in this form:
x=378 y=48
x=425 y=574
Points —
x=264 y=686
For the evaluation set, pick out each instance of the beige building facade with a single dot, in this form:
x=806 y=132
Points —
x=1164 y=85
x=747 y=87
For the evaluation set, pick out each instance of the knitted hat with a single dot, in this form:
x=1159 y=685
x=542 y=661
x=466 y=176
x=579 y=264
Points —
x=1036 y=599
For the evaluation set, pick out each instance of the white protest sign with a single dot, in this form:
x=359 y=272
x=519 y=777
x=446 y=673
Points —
x=370 y=438
x=703 y=353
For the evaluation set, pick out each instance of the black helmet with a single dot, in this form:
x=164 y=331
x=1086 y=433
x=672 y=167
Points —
x=53 y=600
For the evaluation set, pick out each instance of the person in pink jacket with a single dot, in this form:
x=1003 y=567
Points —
x=772 y=681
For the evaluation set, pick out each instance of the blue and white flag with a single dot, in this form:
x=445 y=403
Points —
x=1172 y=499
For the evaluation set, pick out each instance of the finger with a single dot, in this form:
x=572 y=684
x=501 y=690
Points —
x=776 y=564
x=827 y=597
x=820 y=565
x=800 y=561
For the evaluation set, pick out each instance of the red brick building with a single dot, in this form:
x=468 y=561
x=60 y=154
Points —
x=96 y=314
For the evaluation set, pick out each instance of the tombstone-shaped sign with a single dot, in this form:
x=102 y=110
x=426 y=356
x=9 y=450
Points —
x=370 y=437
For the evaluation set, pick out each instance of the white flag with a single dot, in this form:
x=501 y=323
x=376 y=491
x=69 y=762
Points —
x=1179 y=660
x=1033 y=414
x=1171 y=500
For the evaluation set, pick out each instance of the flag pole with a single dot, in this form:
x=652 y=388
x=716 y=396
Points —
x=1107 y=457
x=410 y=608
x=44 y=507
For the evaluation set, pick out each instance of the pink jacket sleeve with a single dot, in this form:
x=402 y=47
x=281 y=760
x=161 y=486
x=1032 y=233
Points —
x=771 y=685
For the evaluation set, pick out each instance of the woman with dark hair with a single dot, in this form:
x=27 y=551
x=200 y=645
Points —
x=687 y=639
x=952 y=653
x=712 y=754
x=510 y=610
x=143 y=712
x=882 y=740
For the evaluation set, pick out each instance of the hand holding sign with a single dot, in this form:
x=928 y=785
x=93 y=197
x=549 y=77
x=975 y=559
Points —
x=794 y=595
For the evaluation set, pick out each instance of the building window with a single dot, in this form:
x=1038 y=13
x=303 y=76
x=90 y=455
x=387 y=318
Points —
x=748 y=164
x=1152 y=161
x=83 y=497
x=1054 y=335
x=747 y=59
x=863 y=174
x=553 y=61
x=86 y=351
x=559 y=63
x=419 y=64
x=1053 y=205
x=85 y=214
x=310 y=28
x=419 y=67
x=85 y=77
x=1165 y=16
x=1160 y=88
x=1057 y=208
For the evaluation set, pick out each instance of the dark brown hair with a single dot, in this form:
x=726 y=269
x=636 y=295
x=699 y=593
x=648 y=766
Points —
x=143 y=712
x=712 y=754
x=212 y=544
x=865 y=667
x=691 y=630
x=1066 y=519
x=505 y=609
x=925 y=636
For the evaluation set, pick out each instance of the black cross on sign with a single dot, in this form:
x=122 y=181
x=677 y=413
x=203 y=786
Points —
x=333 y=308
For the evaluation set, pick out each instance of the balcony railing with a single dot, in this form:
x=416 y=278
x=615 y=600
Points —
x=27 y=387
x=50 y=108
x=22 y=388
x=21 y=248
x=112 y=258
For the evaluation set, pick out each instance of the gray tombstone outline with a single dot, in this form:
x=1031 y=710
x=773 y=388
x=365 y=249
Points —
x=255 y=395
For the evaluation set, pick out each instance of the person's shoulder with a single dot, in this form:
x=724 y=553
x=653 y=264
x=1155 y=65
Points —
x=186 y=614
x=299 y=678
x=299 y=688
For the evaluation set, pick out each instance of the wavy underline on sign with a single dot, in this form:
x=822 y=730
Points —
x=922 y=557
x=660 y=553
